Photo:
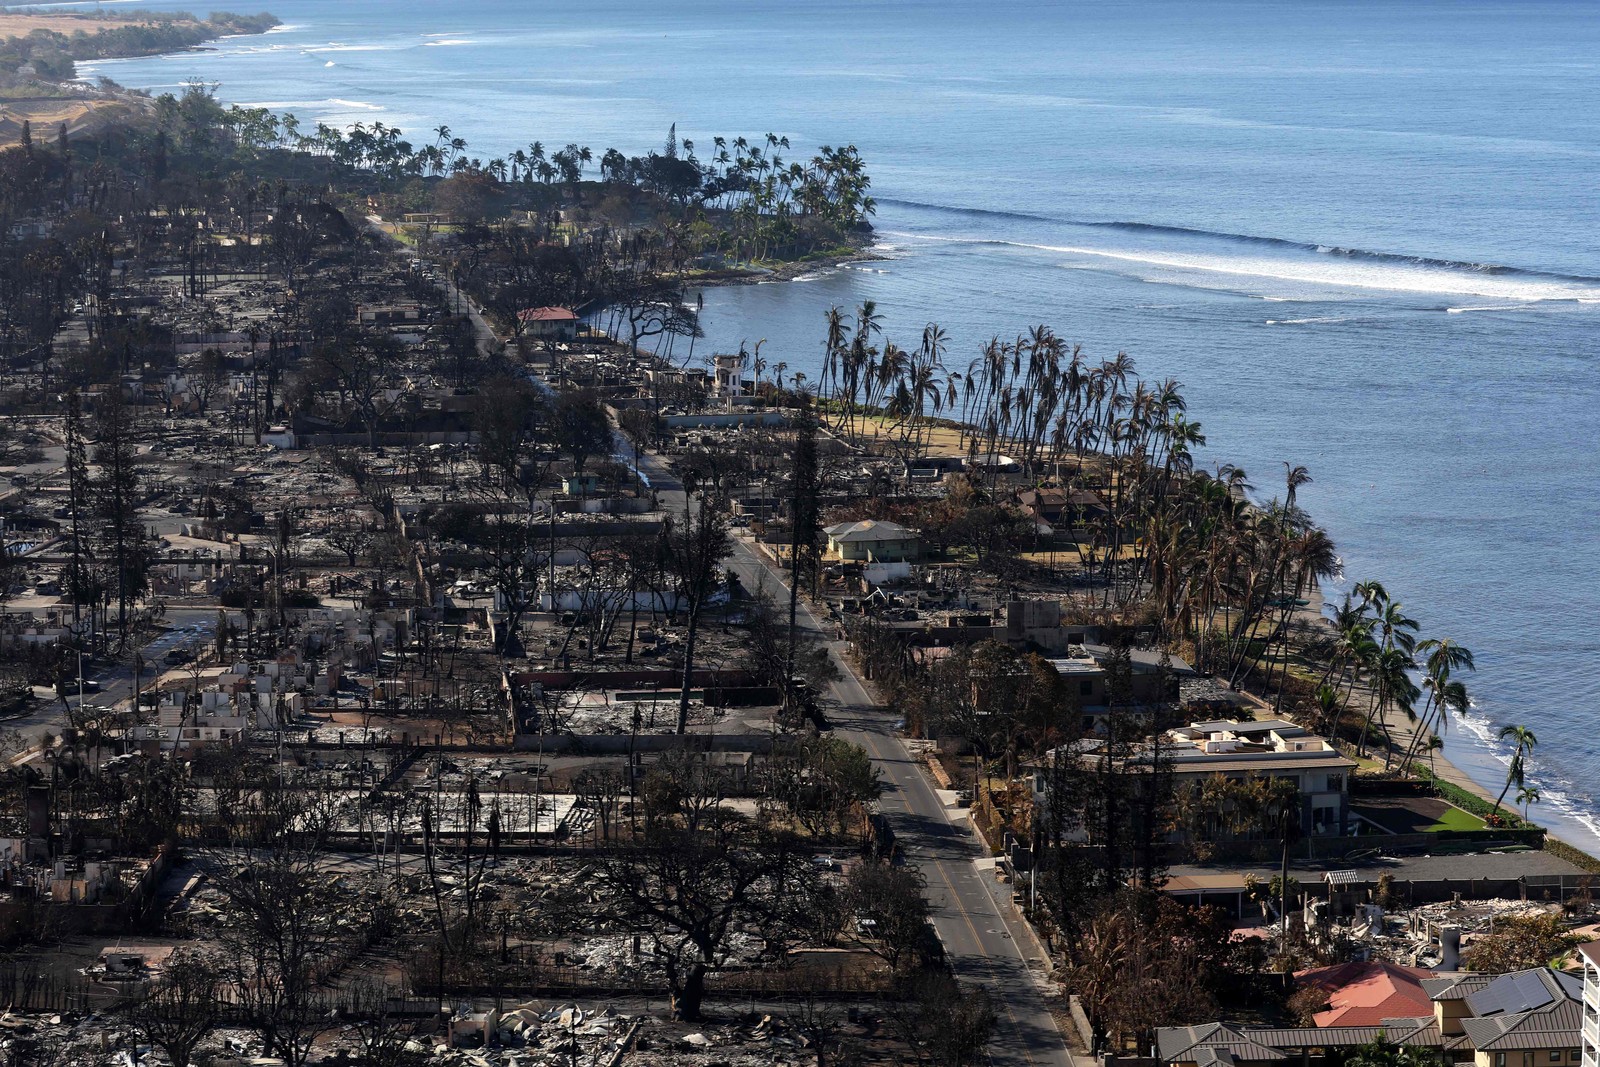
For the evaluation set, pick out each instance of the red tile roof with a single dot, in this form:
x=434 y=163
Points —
x=547 y=315
x=1365 y=994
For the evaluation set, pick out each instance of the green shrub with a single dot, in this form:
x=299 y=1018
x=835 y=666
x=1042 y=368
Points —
x=1576 y=857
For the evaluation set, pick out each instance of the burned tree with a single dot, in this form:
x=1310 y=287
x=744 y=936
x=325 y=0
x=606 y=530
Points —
x=116 y=491
x=183 y=1009
x=695 y=550
x=689 y=889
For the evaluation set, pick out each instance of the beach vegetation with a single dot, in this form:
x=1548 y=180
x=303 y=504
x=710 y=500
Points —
x=50 y=50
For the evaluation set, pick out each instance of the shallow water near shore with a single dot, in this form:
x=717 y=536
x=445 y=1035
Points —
x=1364 y=235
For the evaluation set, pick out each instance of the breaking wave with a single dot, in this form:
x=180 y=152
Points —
x=1188 y=255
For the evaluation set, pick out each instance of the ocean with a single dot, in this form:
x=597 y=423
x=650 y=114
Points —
x=1365 y=235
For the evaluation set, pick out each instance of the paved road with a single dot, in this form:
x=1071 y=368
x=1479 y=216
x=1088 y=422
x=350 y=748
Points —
x=488 y=341
x=985 y=941
x=115 y=685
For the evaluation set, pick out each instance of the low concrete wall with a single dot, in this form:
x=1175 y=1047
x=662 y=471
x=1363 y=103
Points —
x=1080 y=1021
x=622 y=744
x=640 y=678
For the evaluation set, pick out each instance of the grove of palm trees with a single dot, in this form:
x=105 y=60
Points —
x=1227 y=570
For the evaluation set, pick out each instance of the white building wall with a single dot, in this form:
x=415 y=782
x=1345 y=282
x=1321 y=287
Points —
x=1591 y=1011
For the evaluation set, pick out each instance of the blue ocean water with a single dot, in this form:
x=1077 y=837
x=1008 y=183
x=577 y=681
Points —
x=1364 y=234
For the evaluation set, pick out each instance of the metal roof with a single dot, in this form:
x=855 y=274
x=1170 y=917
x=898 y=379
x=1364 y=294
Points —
x=1400 y=1031
x=1524 y=991
x=1556 y=1027
x=1174 y=1042
x=1266 y=761
x=869 y=530
x=1532 y=1009
x=1455 y=986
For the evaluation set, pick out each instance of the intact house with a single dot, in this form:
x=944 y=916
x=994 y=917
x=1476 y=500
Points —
x=549 y=324
x=1061 y=509
x=1523 y=1019
x=873 y=541
x=1151 y=680
x=728 y=370
x=1366 y=992
x=1271 y=749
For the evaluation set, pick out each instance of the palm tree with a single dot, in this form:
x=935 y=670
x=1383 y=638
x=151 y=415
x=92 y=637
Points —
x=1528 y=794
x=1516 y=773
x=1441 y=657
x=1395 y=689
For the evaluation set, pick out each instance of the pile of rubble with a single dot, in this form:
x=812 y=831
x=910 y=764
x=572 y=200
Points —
x=94 y=1040
x=528 y=1036
x=532 y=1034
x=1417 y=937
x=630 y=956
x=593 y=713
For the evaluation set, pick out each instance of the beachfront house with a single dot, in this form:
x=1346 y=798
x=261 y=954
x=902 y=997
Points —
x=1271 y=749
x=549 y=324
x=728 y=374
x=872 y=541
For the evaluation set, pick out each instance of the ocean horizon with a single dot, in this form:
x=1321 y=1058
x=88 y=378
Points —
x=1364 y=236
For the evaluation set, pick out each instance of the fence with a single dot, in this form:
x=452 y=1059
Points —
x=534 y=974
x=1355 y=848
x=27 y=986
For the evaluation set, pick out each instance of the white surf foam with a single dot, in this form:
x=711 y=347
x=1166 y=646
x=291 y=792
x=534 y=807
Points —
x=1377 y=277
x=334 y=47
x=1227 y=269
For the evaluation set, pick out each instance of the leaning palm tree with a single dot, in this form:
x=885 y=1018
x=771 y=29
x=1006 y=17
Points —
x=1441 y=657
x=1516 y=773
x=1393 y=688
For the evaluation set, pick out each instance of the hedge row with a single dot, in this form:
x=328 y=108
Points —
x=1576 y=857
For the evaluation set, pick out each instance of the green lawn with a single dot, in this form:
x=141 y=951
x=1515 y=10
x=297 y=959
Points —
x=1455 y=819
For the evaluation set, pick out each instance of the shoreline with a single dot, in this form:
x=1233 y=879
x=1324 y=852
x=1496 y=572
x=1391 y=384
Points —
x=1441 y=766
x=1402 y=731
x=783 y=271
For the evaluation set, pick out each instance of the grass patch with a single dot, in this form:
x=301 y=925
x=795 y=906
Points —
x=1455 y=819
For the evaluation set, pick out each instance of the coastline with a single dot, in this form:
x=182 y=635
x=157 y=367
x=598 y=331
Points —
x=71 y=98
x=1403 y=731
x=785 y=270
x=792 y=271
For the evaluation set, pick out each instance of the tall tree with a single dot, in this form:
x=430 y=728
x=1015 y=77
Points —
x=689 y=886
x=117 y=495
x=805 y=514
x=1523 y=741
x=696 y=546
